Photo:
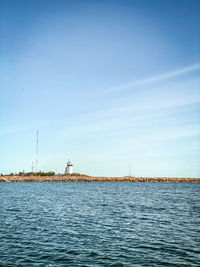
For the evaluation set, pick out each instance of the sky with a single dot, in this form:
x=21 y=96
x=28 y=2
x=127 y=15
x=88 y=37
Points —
x=108 y=84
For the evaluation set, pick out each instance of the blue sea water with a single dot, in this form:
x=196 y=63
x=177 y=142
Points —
x=99 y=224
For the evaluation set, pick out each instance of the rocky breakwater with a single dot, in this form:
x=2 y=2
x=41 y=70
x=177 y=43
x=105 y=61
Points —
x=85 y=178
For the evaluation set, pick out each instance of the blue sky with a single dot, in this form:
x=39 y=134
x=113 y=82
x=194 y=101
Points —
x=106 y=83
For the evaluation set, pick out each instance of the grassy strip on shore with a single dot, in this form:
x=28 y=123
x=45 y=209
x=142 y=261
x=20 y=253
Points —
x=96 y=179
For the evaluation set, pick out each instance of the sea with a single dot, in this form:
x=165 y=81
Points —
x=99 y=224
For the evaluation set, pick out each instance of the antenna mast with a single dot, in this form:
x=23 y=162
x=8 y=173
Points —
x=36 y=162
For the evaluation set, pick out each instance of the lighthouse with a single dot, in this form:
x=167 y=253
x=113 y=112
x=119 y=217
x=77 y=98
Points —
x=69 y=168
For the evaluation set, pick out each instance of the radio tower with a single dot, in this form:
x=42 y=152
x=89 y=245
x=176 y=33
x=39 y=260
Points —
x=36 y=161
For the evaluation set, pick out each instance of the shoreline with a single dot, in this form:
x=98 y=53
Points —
x=65 y=178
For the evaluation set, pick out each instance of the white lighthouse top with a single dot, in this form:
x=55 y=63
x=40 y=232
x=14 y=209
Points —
x=69 y=163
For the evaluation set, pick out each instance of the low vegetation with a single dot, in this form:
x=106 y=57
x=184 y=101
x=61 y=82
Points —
x=28 y=174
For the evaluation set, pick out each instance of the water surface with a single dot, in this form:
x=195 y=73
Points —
x=99 y=224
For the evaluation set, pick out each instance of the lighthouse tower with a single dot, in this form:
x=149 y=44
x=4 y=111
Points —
x=69 y=168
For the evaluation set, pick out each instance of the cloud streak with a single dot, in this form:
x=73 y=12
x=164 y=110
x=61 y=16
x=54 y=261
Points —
x=155 y=78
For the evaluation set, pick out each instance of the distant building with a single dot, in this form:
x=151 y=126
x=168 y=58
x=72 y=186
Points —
x=69 y=168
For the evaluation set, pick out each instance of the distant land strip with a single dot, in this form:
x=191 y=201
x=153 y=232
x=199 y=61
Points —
x=85 y=178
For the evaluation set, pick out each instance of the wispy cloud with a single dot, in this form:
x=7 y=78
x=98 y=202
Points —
x=154 y=79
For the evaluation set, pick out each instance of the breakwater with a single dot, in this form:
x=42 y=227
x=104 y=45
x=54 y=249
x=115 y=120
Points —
x=71 y=178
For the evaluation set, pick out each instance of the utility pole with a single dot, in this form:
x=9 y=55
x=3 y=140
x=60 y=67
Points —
x=129 y=169
x=133 y=170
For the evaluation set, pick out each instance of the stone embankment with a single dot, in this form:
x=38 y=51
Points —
x=69 y=178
